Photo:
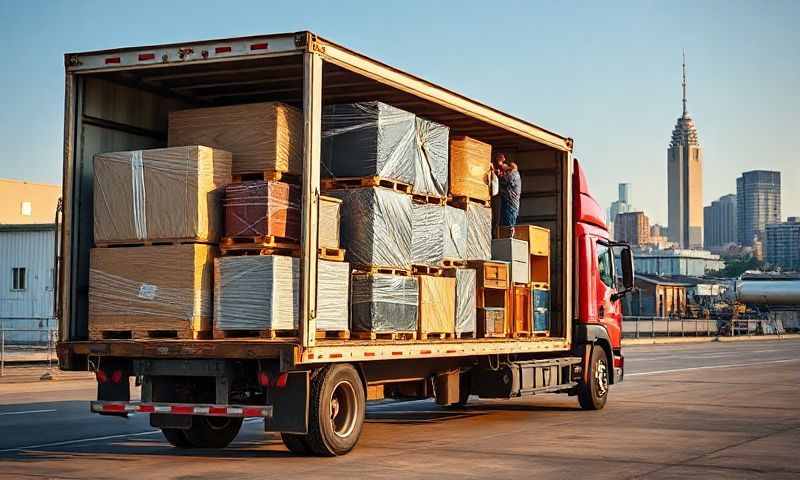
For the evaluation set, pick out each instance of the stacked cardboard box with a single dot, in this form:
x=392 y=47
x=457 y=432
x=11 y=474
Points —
x=262 y=208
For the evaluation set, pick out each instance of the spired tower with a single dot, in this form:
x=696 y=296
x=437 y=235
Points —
x=685 y=181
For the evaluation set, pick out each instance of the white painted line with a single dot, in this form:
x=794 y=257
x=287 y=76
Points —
x=28 y=411
x=657 y=372
x=81 y=440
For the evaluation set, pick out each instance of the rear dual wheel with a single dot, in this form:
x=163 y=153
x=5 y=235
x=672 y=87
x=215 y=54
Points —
x=205 y=432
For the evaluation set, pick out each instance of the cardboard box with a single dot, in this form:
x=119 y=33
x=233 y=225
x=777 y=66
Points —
x=330 y=218
x=151 y=291
x=259 y=208
x=516 y=253
x=261 y=136
x=159 y=194
x=470 y=161
x=437 y=303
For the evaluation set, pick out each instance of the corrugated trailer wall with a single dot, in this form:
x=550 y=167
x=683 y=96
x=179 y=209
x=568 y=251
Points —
x=31 y=308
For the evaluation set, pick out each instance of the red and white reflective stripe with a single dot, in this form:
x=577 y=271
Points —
x=183 y=409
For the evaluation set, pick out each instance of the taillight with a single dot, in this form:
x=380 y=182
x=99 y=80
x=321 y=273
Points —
x=116 y=377
x=101 y=376
x=263 y=379
x=282 y=378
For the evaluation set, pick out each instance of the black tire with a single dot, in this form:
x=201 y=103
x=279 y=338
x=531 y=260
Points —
x=176 y=437
x=336 y=410
x=594 y=394
x=212 y=432
x=297 y=444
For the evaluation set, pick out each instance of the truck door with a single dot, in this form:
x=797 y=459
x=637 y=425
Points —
x=609 y=312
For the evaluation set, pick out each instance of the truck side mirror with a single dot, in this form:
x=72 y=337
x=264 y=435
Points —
x=626 y=259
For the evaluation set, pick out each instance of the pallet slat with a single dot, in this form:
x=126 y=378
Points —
x=360 y=182
x=267 y=333
x=372 y=335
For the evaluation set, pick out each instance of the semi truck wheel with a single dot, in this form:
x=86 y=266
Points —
x=593 y=394
x=296 y=443
x=176 y=437
x=337 y=409
x=212 y=432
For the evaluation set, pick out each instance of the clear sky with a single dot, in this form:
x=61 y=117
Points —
x=605 y=73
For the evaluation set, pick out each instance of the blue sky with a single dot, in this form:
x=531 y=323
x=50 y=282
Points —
x=605 y=73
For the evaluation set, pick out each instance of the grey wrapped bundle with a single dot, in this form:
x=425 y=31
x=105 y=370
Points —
x=431 y=162
x=333 y=286
x=256 y=292
x=384 y=303
x=479 y=232
x=455 y=233
x=368 y=139
x=427 y=233
x=376 y=226
x=466 y=279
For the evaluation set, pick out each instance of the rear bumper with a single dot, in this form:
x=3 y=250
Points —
x=209 y=410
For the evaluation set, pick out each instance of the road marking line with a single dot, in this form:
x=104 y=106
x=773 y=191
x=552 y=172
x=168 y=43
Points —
x=712 y=366
x=27 y=411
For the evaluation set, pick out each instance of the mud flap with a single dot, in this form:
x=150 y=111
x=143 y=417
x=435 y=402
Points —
x=290 y=405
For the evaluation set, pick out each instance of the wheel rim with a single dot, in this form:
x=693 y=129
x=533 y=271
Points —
x=344 y=409
x=601 y=378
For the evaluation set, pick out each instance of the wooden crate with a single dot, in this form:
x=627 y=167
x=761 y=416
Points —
x=491 y=274
x=437 y=304
x=538 y=238
x=521 y=315
x=470 y=160
x=492 y=322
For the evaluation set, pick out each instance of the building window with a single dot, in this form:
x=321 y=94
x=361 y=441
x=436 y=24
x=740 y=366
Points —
x=19 y=279
x=26 y=209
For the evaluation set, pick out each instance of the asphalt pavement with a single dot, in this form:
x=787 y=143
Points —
x=709 y=410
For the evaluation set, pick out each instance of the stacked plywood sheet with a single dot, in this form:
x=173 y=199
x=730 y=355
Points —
x=330 y=215
x=160 y=194
x=479 y=232
x=437 y=302
x=455 y=233
x=151 y=291
x=470 y=161
x=427 y=233
x=466 y=283
x=262 y=137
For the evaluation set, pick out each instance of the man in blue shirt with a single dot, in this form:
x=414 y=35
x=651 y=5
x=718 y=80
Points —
x=510 y=191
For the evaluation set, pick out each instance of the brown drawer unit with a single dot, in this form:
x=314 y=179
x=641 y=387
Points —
x=492 y=322
x=491 y=274
x=521 y=311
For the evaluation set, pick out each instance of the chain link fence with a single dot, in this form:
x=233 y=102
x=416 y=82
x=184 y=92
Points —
x=27 y=342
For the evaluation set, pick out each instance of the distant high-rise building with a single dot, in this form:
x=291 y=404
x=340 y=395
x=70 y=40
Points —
x=758 y=203
x=782 y=244
x=622 y=204
x=719 y=222
x=685 y=181
x=632 y=227
x=624 y=192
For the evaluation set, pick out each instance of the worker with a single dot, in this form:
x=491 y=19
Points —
x=510 y=191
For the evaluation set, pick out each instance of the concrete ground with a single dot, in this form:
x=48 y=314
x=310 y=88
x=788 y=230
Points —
x=708 y=410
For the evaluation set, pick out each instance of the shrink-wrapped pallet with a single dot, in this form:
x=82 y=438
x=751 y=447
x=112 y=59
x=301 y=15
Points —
x=258 y=292
x=261 y=136
x=466 y=282
x=376 y=226
x=159 y=194
x=333 y=287
x=479 y=232
x=427 y=233
x=150 y=291
x=330 y=216
x=437 y=304
x=455 y=233
x=470 y=161
x=375 y=139
x=384 y=303
x=259 y=208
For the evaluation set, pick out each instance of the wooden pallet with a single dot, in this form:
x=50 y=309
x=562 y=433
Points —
x=150 y=243
x=436 y=335
x=384 y=335
x=148 y=334
x=267 y=334
x=359 y=182
x=429 y=199
x=453 y=263
x=521 y=334
x=461 y=335
x=333 y=334
x=268 y=176
x=542 y=333
x=432 y=270
x=461 y=201
x=259 y=245
x=404 y=272
x=332 y=254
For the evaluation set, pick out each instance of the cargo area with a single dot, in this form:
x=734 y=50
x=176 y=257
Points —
x=121 y=100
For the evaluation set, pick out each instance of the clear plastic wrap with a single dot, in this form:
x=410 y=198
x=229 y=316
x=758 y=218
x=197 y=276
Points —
x=437 y=304
x=258 y=292
x=479 y=232
x=455 y=233
x=163 y=193
x=469 y=167
x=376 y=226
x=165 y=287
x=376 y=139
x=330 y=217
x=427 y=233
x=333 y=286
x=259 y=208
x=466 y=283
x=384 y=303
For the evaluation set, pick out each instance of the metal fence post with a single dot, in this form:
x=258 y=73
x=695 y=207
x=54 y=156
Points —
x=2 y=351
x=637 y=327
x=683 y=330
x=652 y=327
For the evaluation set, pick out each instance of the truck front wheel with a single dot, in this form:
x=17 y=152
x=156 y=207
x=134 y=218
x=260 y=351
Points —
x=337 y=409
x=593 y=394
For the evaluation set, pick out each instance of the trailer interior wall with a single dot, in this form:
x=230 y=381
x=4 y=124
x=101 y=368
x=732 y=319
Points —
x=112 y=109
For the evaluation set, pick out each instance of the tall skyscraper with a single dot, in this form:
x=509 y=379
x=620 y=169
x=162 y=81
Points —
x=719 y=222
x=758 y=203
x=782 y=245
x=622 y=204
x=685 y=181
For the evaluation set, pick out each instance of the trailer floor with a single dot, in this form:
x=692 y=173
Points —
x=714 y=410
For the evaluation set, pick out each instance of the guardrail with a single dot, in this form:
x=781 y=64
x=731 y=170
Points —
x=34 y=351
x=651 y=327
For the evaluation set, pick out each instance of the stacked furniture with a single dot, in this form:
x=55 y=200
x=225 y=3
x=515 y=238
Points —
x=492 y=298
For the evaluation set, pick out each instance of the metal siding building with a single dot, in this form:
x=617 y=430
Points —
x=28 y=247
x=758 y=197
